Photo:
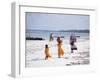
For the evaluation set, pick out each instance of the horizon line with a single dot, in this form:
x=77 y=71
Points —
x=57 y=30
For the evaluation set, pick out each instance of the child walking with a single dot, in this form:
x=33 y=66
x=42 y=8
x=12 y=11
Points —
x=47 y=55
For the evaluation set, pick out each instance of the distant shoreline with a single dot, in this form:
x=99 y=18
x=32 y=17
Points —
x=34 y=38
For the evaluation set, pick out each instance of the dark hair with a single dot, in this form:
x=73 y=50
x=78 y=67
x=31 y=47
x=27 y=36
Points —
x=58 y=39
x=46 y=46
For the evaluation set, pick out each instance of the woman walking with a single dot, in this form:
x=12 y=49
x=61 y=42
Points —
x=51 y=37
x=72 y=42
x=60 y=50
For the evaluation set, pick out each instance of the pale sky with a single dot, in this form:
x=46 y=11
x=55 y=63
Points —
x=47 y=21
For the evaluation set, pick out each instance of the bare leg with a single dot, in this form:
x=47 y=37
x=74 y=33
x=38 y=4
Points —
x=46 y=58
x=71 y=51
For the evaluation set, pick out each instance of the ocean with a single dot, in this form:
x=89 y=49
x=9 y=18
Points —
x=45 y=34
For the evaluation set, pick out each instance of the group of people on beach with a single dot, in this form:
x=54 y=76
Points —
x=59 y=46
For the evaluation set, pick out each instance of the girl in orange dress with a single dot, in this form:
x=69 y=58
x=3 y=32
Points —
x=60 y=50
x=47 y=55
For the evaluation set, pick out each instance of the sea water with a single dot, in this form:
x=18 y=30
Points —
x=45 y=34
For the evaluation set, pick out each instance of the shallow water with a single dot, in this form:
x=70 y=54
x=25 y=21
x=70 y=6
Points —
x=35 y=53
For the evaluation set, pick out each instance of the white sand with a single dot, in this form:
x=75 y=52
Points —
x=35 y=53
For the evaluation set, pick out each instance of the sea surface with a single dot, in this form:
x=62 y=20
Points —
x=45 y=34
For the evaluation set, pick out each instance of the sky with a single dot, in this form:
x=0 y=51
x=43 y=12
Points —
x=48 y=21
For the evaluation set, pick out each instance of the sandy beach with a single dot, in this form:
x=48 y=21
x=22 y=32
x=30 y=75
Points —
x=35 y=53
